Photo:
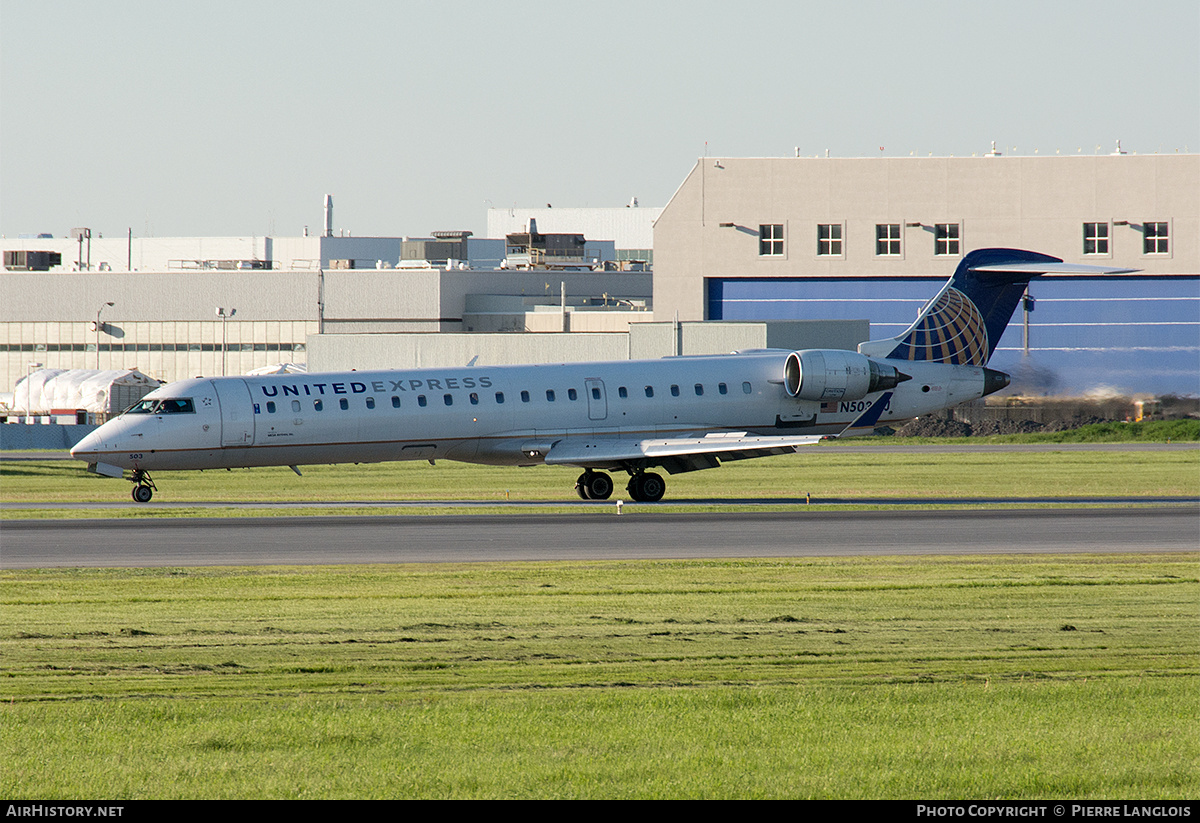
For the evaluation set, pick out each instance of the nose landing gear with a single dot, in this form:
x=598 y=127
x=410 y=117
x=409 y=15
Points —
x=143 y=486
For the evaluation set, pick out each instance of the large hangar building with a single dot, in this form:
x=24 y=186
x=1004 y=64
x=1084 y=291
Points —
x=874 y=238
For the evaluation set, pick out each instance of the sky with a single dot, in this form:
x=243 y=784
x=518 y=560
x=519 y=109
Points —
x=221 y=118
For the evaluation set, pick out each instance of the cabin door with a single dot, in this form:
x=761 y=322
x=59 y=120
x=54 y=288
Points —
x=597 y=402
x=237 y=412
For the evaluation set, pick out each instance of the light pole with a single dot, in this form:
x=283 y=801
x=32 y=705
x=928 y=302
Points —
x=29 y=390
x=99 y=326
x=224 y=340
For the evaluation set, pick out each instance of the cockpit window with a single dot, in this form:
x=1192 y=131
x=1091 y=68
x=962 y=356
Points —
x=170 y=405
x=177 y=405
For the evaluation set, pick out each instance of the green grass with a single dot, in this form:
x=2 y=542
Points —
x=823 y=472
x=1020 y=677
x=1147 y=431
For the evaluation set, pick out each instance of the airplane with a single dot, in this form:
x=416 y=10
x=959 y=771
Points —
x=676 y=414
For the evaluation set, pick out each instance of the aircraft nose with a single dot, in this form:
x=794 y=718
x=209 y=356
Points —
x=88 y=446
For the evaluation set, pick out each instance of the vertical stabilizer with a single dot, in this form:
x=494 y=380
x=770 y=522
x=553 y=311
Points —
x=965 y=321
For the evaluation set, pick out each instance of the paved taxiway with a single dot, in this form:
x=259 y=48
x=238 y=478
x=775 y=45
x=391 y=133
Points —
x=593 y=536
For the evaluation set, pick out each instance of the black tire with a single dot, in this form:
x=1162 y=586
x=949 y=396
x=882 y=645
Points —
x=142 y=494
x=647 y=487
x=651 y=488
x=599 y=485
x=581 y=487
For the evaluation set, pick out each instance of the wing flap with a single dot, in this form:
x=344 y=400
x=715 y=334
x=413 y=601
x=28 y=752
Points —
x=579 y=451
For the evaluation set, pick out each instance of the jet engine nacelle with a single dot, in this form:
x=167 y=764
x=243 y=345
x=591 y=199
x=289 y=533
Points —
x=833 y=374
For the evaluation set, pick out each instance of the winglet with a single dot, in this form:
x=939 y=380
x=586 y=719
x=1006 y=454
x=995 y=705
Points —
x=865 y=422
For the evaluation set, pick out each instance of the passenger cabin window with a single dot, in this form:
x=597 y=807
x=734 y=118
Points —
x=524 y=396
x=270 y=407
x=649 y=391
x=474 y=399
x=572 y=394
x=745 y=388
x=370 y=402
x=722 y=388
x=395 y=402
x=550 y=395
x=295 y=405
x=448 y=399
x=699 y=390
x=499 y=397
x=674 y=390
x=421 y=401
x=318 y=405
x=344 y=404
x=622 y=393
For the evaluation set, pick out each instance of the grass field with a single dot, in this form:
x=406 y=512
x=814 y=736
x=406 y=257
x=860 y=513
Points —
x=973 y=677
x=822 y=472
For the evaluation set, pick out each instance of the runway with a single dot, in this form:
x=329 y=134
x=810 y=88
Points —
x=591 y=536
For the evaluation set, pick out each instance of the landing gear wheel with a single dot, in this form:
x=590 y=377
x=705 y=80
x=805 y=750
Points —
x=143 y=486
x=647 y=487
x=594 y=485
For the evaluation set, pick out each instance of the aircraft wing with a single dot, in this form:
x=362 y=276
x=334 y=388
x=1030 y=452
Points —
x=681 y=454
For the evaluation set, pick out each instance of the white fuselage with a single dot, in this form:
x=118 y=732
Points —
x=497 y=414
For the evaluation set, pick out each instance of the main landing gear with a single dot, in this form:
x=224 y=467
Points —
x=644 y=487
x=143 y=486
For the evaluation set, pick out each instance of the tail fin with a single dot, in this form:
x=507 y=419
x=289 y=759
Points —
x=964 y=322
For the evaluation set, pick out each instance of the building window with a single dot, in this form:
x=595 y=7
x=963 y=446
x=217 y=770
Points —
x=945 y=239
x=1155 y=238
x=1095 y=238
x=770 y=240
x=887 y=239
x=829 y=239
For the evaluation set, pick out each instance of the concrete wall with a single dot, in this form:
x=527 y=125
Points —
x=19 y=437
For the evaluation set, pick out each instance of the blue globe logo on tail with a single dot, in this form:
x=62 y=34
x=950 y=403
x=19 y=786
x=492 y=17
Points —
x=951 y=331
